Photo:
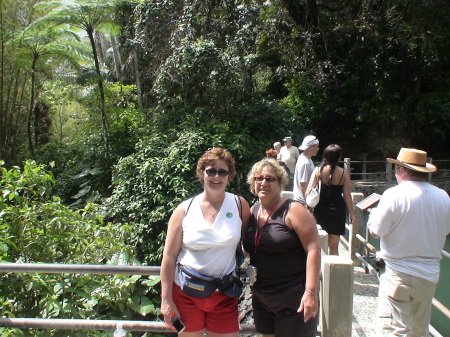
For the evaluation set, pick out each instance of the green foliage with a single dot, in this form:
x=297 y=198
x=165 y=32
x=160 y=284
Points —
x=67 y=113
x=371 y=76
x=366 y=71
x=127 y=124
x=78 y=169
x=36 y=227
x=79 y=160
x=151 y=183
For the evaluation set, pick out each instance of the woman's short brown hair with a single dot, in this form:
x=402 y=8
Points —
x=280 y=172
x=213 y=155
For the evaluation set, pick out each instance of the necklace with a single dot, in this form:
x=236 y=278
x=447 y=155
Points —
x=212 y=214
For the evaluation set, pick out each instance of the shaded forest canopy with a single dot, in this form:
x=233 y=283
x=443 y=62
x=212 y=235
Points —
x=371 y=76
x=120 y=98
x=118 y=93
x=105 y=90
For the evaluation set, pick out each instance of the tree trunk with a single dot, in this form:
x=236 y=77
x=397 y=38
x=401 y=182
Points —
x=30 y=111
x=100 y=47
x=117 y=61
x=90 y=33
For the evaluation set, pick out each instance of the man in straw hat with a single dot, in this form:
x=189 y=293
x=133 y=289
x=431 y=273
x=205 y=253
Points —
x=412 y=220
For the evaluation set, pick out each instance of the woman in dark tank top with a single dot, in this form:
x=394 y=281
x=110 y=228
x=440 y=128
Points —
x=284 y=246
x=335 y=196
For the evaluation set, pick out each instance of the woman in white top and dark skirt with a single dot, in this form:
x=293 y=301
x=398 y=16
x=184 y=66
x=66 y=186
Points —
x=200 y=253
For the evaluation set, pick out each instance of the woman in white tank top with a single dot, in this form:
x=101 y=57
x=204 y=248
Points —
x=202 y=236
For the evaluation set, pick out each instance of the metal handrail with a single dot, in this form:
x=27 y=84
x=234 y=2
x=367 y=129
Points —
x=105 y=325
x=83 y=324
x=79 y=269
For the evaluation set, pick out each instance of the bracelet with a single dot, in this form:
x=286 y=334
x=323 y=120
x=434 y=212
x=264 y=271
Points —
x=311 y=292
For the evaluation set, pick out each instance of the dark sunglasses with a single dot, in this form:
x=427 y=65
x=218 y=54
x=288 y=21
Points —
x=212 y=172
x=259 y=179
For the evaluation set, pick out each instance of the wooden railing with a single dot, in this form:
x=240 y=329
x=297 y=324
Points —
x=381 y=170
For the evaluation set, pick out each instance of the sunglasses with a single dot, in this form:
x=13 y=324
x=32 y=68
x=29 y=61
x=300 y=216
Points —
x=260 y=179
x=212 y=172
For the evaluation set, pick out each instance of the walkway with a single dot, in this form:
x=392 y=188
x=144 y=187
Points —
x=365 y=293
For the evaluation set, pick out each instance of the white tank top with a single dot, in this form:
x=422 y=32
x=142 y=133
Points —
x=210 y=250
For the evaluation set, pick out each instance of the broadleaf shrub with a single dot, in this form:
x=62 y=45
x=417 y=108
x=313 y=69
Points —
x=36 y=227
x=151 y=183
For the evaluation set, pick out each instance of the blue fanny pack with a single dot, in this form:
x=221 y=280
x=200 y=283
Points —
x=202 y=286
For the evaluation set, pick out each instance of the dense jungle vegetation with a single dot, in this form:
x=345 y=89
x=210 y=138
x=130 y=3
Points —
x=105 y=107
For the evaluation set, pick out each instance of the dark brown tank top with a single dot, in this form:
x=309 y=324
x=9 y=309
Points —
x=279 y=258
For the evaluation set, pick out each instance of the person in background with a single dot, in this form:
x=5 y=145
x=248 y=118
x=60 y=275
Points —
x=304 y=167
x=277 y=147
x=289 y=155
x=335 y=196
x=272 y=153
x=202 y=237
x=412 y=221
x=284 y=246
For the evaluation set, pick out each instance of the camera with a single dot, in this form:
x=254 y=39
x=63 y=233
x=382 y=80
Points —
x=177 y=323
x=251 y=274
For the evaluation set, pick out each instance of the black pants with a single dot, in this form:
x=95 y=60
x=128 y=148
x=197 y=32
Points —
x=276 y=313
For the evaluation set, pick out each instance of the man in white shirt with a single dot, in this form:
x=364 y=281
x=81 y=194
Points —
x=277 y=147
x=305 y=167
x=412 y=221
x=289 y=155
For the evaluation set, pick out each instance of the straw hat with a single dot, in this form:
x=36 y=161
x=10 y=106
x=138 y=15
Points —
x=413 y=159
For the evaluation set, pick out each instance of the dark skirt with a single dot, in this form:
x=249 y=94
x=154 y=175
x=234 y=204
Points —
x=331 y=209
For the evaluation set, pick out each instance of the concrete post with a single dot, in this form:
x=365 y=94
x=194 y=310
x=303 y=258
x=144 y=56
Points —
x=429 y=160
x=358 y=227
x=347 y=166
x=287 y=194
x=364 y=166
x=336 y=296
x=323 y=235
x=389 y=172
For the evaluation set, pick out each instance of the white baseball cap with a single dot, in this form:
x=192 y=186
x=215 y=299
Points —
x=308 y=141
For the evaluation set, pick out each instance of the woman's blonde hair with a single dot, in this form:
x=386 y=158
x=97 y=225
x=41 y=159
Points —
x=280 y=173
x=213 y=155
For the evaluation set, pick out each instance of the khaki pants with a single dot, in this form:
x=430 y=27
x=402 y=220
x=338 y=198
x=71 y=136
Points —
x=404 y=305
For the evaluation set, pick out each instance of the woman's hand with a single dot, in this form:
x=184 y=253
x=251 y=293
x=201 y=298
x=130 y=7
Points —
x=309 y=306
x=351 y=218
x=304 y=225
x=168 y=310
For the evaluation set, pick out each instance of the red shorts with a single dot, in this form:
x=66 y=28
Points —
x=216 y=313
